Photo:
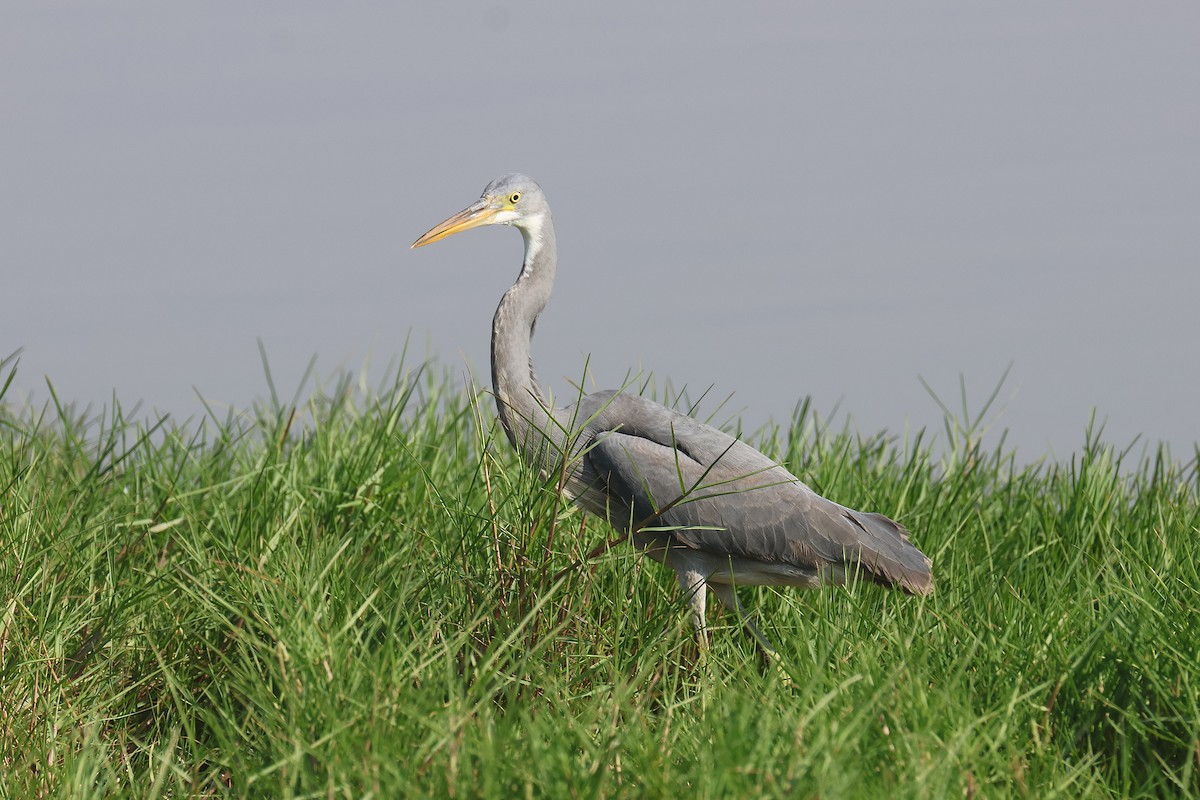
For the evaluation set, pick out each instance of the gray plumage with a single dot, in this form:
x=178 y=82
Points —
x=714 y=509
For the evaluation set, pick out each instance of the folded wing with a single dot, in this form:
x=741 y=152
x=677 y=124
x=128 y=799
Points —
x=712 y=492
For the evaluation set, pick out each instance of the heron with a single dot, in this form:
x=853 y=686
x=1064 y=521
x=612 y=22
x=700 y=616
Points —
x=713 y=509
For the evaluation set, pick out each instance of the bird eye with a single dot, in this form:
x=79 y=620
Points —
x=514 y=197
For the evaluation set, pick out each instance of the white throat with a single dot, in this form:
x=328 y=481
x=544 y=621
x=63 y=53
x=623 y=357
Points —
x=532 y=232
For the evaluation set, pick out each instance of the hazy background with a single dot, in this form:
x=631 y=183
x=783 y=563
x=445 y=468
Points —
x=779 y=199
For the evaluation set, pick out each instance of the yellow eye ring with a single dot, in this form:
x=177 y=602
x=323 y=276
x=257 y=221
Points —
x=514 y=198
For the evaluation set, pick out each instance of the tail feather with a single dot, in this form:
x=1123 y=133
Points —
x=894 y=561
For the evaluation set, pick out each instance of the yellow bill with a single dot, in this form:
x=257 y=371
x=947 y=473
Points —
x=479 y=213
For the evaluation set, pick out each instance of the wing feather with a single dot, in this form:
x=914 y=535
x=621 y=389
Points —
x=714 y=493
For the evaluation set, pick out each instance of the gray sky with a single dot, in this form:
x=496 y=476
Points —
x=778 y=199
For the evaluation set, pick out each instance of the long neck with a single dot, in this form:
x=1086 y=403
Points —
x=519 y=400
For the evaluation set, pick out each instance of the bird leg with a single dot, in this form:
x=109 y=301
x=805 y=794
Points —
x=693 y=579
x=692 y=582
x=771 y=657
x=728 y=595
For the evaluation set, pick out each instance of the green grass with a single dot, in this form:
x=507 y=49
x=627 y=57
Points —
x=359 y=598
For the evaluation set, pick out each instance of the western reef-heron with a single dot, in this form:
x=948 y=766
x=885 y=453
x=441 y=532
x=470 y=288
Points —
x=713 y=509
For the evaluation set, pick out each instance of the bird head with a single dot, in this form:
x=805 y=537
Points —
x=513 y=199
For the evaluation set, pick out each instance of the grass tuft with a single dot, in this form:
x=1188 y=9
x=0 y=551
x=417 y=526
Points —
x=364 y=594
